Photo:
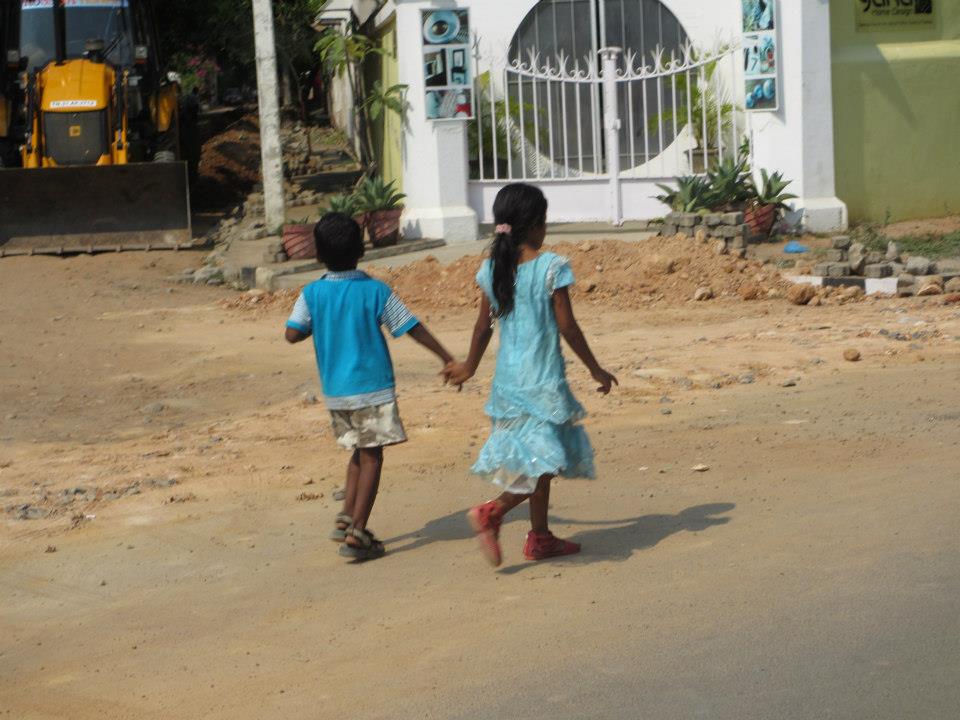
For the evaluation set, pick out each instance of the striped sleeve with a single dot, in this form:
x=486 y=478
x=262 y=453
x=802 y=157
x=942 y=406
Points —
x=300 y=317
x=398 y=319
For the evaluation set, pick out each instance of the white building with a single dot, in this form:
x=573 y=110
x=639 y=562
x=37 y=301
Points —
x=649 y=117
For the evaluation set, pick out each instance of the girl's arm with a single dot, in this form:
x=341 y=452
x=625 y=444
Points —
x=459 y=373
x=563 y=311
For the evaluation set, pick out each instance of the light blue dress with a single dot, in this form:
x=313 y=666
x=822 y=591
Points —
x=534 y=414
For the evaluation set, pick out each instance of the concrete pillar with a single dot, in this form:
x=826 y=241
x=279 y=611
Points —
x=271 y=154
x=435 y=166
x=797 y=140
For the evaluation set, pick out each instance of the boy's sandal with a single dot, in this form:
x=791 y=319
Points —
x=369 y=548
x=339 y=534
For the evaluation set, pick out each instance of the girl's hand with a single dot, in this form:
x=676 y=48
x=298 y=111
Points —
x=606 y=380
x=457 y=373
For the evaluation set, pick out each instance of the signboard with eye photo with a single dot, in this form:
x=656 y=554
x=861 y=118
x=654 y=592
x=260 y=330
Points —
x=447 y=71
x=761 y=56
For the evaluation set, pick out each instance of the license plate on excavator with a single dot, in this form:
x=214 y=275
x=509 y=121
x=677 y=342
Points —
x=140 y=206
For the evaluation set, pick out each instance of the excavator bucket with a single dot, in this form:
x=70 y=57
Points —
x=139 y=206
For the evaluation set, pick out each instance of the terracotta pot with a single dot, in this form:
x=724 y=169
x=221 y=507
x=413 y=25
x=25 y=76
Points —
x=760 y=219
x=298 y=242
x=384 y=226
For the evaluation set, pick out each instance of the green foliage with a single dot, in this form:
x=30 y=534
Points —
x=347 y=204
x=730 y=184
x=693 y=193
x=707 y=97
x=929 y=246
x=374 y=194
x=771 y=190
x=340 y=52
x=379 y=98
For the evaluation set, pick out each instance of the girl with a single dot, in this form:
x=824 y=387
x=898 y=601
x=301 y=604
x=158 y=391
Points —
x=535 y=434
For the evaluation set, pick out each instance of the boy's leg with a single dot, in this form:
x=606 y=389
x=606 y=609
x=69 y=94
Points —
x=353 y=476
x=540 y=505
x=368 y=482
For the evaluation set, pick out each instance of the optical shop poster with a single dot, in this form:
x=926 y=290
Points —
x=447 y=70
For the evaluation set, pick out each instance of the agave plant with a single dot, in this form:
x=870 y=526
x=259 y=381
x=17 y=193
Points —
x=692 y=194
x=770 y=192
x=375 y=194
x=349 y=205
x=730 y=184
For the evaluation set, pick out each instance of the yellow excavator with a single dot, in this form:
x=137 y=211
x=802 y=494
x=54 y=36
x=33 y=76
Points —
x=95 y=139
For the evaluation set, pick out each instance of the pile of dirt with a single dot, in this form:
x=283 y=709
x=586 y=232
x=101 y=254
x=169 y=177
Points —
x=261 y=301
x=611 y=273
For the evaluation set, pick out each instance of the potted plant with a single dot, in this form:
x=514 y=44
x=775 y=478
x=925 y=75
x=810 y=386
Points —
x=349 y=205
x=298 y=241
x=767 y=204
x=383 y=205
x=692 y=194
x=730 y=185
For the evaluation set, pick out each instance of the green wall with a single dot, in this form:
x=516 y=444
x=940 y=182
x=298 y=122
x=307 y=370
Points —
x=896 y=106
x=388 y=129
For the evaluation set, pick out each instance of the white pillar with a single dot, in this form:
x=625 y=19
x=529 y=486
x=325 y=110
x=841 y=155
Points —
x=435 y=165
x=611 y=122
x=797 y=140
x=271 y=155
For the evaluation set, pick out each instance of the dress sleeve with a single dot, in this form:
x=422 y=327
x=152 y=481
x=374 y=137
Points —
x=300 y=317
x=398 y=319
x=559 y=274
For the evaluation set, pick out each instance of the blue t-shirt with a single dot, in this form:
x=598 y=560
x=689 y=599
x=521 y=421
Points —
x=344 y=312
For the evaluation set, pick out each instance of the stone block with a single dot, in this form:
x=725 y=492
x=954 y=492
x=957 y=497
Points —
x=893 y=252
x=688 y=220
x=835 y=255
x=906 y=280
x=838 y=269
x=878 y=270
x=874 y=257
x=733 y=218
x=686 y=230
x=841 y=242
x=668 y=230
x=822 y=269
x=713 y=219
x=917 y=265
x=731 y=231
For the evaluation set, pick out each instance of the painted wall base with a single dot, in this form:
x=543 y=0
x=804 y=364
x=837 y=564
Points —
x=452 y=224
x=871 y=286
x=822 y=215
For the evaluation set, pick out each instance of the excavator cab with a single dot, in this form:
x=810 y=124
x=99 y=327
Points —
x=96 y=126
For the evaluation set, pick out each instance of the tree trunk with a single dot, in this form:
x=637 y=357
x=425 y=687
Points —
x=271 y=153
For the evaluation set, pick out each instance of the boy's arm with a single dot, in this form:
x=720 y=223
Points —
x=299 y=323
x=426 y=338
x=570 y=329
x=459 y=373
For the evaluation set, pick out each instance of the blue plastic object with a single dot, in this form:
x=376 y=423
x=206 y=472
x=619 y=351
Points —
x=795 y=247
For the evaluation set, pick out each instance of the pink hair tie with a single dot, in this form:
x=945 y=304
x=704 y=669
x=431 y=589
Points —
x=504 y=229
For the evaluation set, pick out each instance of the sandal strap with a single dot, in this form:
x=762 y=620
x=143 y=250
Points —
x=367 y=539
x=344 y=518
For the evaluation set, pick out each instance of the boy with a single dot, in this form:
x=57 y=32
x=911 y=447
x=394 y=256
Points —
x=343 y=311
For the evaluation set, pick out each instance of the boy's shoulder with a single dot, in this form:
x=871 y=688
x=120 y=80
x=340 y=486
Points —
x=352 y=278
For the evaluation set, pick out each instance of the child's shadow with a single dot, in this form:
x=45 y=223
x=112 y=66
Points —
x=618 y=539
x=615 y=540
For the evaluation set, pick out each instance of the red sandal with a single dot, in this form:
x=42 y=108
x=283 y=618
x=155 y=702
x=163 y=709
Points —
x=547 y=545
x=485 y=520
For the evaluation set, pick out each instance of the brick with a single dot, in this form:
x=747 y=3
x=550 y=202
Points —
x=835 y=256
x=688 y=220
x=838 y=269
x=668 y=230
x=731 y=231
x=878 y=270
x=822 y=269
x=874 y=257
x=841 y=242
x=733 y=218
x=713 y=219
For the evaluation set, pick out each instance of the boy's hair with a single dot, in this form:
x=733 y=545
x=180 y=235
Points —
x=339 y=241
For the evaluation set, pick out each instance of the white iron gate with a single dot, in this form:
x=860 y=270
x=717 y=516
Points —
x=606 y=118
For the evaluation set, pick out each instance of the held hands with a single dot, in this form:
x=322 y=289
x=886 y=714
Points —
x=606 y=380
x=456 y=373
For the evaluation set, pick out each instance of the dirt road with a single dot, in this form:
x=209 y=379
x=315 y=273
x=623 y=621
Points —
x=176 y=493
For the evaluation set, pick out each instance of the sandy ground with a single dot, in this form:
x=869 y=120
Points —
x=178 y=495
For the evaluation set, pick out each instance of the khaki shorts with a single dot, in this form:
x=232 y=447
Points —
x=368 y=427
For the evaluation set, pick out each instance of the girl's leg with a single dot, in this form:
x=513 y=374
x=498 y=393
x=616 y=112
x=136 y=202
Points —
x=540 y=505
x=368 y=482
